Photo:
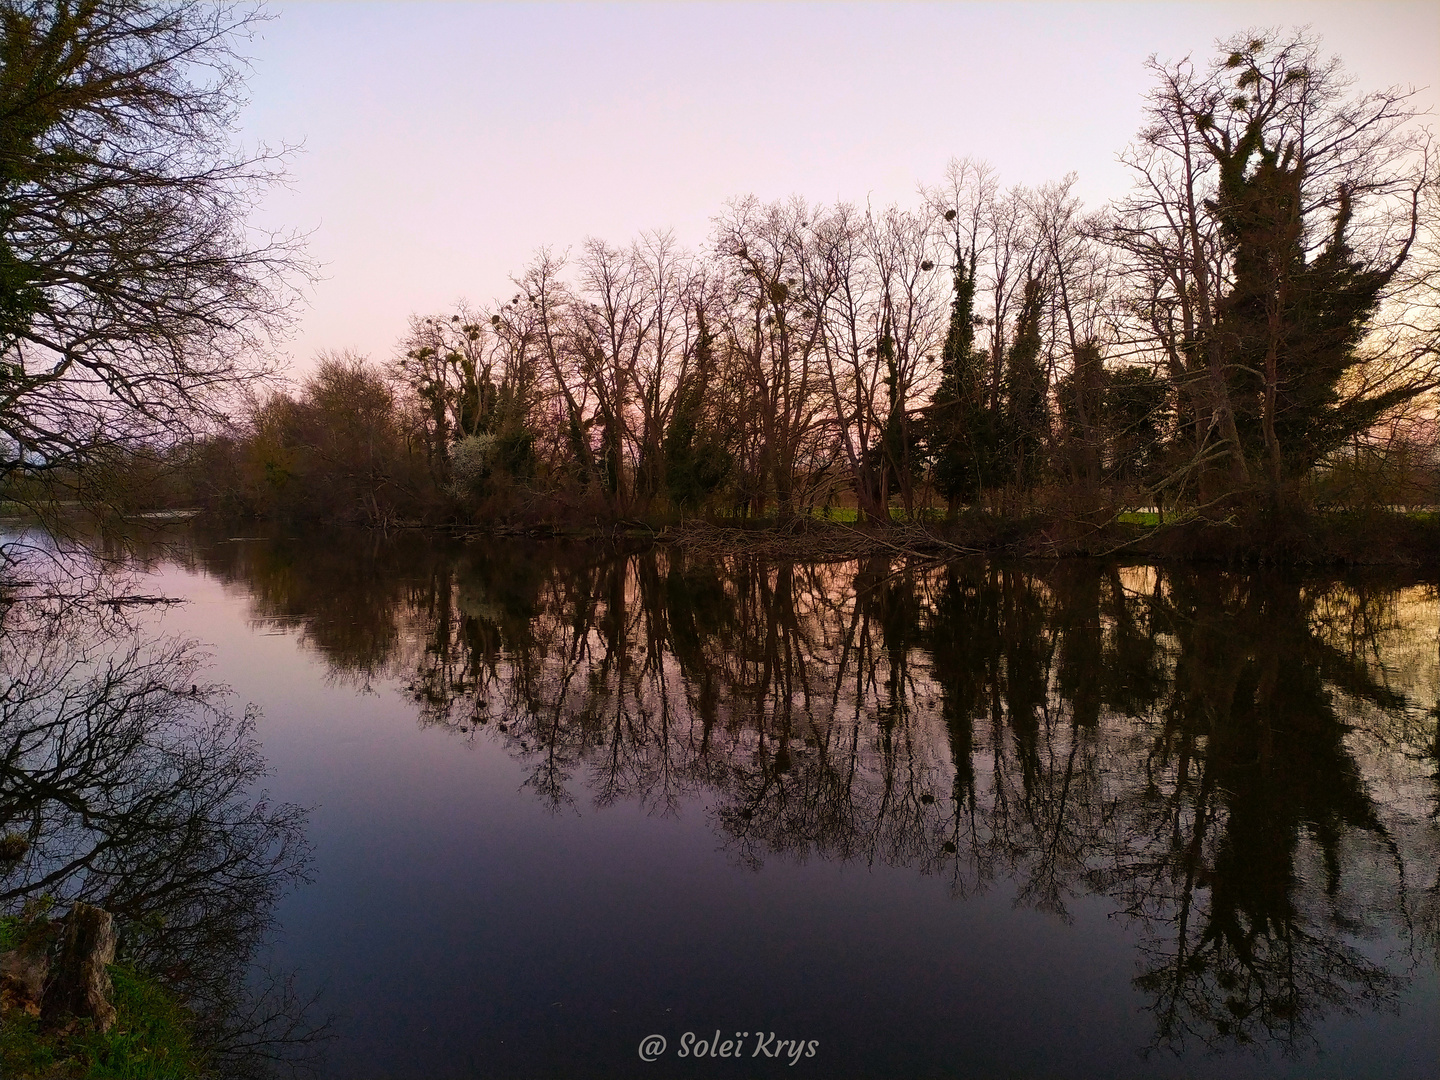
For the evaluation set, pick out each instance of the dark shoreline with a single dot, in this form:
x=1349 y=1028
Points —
x=1313 y=539
x=1376 y=539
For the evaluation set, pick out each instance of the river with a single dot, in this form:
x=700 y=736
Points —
x=867 y=818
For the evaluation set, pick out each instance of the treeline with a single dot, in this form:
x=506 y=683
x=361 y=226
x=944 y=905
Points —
x=1254 y=325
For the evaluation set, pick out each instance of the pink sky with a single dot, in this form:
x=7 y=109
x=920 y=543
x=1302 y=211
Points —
x=444 y=143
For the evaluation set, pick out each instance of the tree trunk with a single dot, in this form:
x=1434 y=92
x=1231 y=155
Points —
x=79 y=983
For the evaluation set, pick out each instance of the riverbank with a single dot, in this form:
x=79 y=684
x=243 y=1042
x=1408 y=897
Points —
x=125 y=1024
x=1305 y=539
x=1243 y=538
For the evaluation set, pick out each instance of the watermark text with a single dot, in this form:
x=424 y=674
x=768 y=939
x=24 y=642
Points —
x=748 y=1044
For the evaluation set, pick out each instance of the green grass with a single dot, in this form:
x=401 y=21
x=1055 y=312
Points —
x=1151 y=519
x=150 y=1039
x=1138 y=517
x=151 y=1036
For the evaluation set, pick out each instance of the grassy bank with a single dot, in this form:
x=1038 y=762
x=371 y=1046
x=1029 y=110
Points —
x=150 y=1040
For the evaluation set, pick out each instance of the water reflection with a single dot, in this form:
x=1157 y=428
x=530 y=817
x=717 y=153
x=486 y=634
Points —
x=125 y=782
x=1245 y=764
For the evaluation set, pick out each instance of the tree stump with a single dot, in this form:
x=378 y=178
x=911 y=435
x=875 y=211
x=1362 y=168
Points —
x=79 y=983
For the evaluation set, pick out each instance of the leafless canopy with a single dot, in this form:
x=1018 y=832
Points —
x=133 y=291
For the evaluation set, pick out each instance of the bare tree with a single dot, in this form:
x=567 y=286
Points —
x=551 y=304
x=760 y=249
x=1079 y=271
x=841 y=291
x=902 y=245
x=872 y=284
x=133 y=291
x=675 y=293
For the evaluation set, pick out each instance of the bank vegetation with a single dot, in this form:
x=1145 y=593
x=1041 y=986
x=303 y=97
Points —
x=1244 y=345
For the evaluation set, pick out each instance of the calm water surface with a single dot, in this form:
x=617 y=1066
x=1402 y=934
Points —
x=1063 y=819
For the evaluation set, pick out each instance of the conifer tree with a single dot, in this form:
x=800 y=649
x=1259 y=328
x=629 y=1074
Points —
x=696 y=462
x=1280 y=216
x=893 y=443
x=1137 y=416
x=1025 y=417
x=964 y=432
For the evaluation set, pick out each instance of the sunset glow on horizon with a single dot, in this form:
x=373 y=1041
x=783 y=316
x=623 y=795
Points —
x=443 y=144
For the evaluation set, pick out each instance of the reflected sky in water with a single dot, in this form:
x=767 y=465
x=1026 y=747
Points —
x=127 y=782
x=1075 y=819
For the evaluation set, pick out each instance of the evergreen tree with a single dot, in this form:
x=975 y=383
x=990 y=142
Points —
x=1292 y=325
x=696 y=461
x=1081 y=399
x=1026 y=421
x=1137 y=416
x=964 y=434
x=893 y=445
x=1293 y=149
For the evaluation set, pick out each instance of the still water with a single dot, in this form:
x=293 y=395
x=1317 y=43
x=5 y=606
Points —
x=883 y=818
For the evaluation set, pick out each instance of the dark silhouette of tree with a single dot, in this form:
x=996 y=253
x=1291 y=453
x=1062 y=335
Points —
x=964 y=433
x=1276 y=230
x=1026 y=421
x=133 y=291
x=1137 y=422
x=696 y=460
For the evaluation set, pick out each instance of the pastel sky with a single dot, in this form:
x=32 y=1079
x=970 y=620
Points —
x=444 y=143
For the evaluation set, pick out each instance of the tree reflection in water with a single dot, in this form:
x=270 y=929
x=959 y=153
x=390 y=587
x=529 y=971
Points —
x=1245 y=763
x=136 y=790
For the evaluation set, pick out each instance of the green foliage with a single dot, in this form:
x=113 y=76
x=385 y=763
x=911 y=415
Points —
x=695 y=468
x=24 y=1051
x=1323 y=306
x=515 y=450
x=892 y=434
x=1293 y=319
x=697 y=462
x=1081 y=398
x=965 y=434
x=612 y=456
x=1137 y=416
x=1026 y=418
x=900 y=443
x=577 y=441
x=151 y=1039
